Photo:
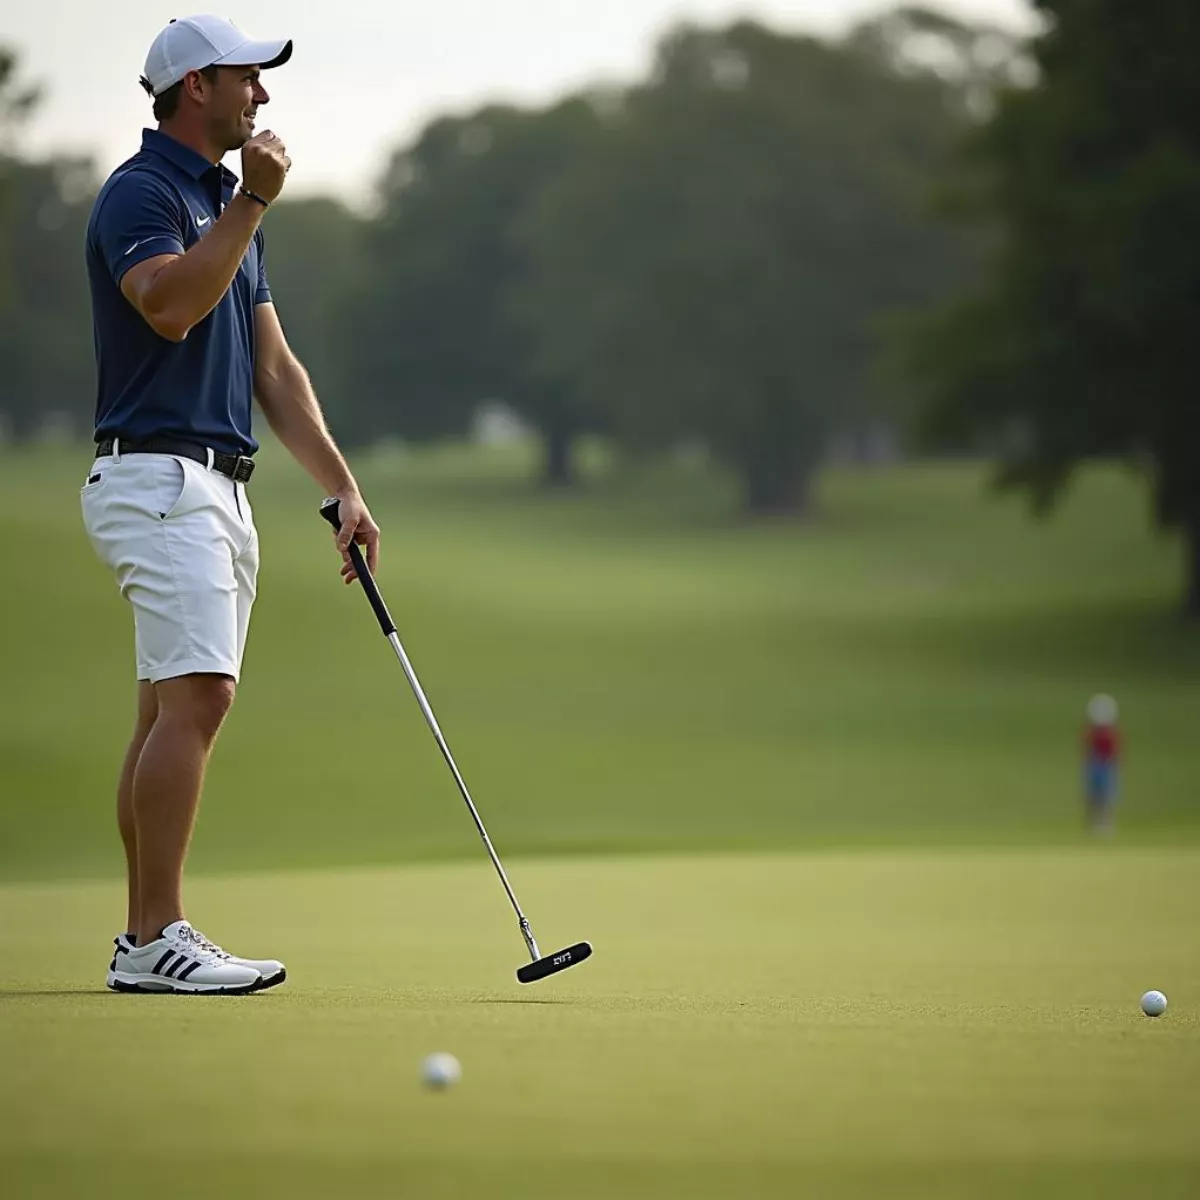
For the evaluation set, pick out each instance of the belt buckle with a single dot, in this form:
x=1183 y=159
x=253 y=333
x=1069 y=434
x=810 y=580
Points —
x=243 y=468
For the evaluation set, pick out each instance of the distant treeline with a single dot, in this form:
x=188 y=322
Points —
x=772 y=241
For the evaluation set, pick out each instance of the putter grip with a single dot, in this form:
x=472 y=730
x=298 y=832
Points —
x=330 y=510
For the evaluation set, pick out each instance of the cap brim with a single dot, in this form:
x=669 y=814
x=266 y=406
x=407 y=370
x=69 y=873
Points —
x=258 y=54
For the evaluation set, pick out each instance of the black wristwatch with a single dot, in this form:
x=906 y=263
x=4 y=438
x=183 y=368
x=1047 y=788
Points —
x=243 y=190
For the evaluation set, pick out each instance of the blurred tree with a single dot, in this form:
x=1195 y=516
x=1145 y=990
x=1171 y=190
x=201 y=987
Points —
x=315 y=257
x=716 y=267
x=45 y=321
x=428 y=334
x=16 y=103
x=1081 y=343
x=979 y=60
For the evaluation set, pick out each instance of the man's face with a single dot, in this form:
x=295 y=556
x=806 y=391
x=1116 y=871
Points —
x=232 y=104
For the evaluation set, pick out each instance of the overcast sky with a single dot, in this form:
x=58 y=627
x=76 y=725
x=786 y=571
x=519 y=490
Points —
x=365 y=75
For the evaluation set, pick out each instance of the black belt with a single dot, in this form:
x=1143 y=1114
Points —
x=238 y=467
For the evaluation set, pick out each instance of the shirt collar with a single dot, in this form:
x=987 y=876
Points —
x=184 y=157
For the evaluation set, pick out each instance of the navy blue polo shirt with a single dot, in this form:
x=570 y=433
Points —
x=163 y=200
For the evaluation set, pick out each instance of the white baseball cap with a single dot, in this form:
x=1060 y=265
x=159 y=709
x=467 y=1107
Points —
x=193 y=43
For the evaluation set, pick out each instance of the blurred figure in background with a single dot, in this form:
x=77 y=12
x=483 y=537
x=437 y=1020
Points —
x=1101 y=751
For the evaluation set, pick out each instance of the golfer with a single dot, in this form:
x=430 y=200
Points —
x=185 y=335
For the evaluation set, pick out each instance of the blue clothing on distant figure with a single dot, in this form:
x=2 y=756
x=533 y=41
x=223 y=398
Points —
x=1100 y=780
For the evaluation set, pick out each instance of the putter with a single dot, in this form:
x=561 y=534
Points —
x=540 y=966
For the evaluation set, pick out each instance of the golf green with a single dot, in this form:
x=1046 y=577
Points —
x=903 y=1023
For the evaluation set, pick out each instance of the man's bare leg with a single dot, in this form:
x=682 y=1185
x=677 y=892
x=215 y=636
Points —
x=167 y=781
x=147 y=711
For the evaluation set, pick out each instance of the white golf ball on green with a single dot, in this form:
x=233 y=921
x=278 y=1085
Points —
x=1154 y=1004
x=441 y=1070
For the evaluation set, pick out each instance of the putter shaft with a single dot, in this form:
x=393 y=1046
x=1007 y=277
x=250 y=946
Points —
x=431 y=720
x=538 y=967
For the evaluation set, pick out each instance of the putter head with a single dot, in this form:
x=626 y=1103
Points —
x=553 y=963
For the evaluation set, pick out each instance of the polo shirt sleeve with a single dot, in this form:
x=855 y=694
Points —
x=139 y=219
x=262 y=289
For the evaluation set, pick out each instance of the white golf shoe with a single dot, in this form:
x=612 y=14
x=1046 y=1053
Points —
x=184 y=960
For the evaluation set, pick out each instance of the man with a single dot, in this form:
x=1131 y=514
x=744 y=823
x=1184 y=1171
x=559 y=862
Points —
x=186 y=334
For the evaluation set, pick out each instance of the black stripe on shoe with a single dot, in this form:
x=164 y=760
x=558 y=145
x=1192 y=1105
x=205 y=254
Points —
x=176 y=965
x=158 y=966
x=188 y=970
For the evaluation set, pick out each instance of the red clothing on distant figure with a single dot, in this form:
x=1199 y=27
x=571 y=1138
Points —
x=1102 y=742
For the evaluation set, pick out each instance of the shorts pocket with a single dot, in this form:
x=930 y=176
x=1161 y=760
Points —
x=93 y=483
x=174 y=484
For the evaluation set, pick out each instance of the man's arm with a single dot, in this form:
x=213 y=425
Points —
x=175 y=292
x=286 y=396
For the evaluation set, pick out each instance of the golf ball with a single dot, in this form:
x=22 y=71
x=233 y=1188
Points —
x=1154 y=1004
x=441 y=1070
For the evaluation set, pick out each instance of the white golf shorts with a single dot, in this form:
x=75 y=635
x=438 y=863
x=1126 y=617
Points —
x=179 y=537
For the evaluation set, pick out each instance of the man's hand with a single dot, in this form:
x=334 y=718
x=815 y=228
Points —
x=358 y=526
x=264 y=165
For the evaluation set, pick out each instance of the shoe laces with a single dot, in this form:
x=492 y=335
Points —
x=190 y=934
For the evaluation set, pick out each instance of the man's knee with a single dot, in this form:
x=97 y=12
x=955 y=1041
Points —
x=201 y=700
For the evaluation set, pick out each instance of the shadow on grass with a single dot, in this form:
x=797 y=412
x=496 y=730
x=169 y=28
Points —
x=28 y=993
x=23 y=993
x=527 y=1000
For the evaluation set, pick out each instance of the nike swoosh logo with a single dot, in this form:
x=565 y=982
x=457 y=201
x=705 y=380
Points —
x=203 y=220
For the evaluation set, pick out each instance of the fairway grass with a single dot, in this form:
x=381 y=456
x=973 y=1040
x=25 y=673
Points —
x=926 y=1024
x=630 y=670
